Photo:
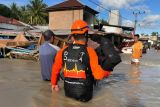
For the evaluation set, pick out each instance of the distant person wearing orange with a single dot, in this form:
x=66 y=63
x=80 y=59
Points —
x=80 y=65
x=136 y=50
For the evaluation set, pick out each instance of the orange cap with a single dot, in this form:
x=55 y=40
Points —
x=79 y=27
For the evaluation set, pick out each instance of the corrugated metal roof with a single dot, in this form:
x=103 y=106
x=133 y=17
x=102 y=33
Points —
x=63 y=33
x=9 y=21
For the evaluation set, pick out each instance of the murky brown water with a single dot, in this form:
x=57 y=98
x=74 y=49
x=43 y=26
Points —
x=128 y=86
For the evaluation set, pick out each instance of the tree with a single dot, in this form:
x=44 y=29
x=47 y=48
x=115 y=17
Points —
x=33 y=13
x=15 y=13
x=24 y=14
x=5 y=11
x=104 y=22
x=146 y=35
x=37 y=13
x=154 y=34
x=142 y=34
x=100 y=21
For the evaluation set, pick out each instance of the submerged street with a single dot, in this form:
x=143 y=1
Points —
x=129 y=85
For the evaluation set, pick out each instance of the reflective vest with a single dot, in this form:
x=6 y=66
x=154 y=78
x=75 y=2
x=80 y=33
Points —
x=76 y=61
x=78 y=81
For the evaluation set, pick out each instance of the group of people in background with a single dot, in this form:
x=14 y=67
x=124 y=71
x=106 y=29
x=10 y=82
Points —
x=83 y=61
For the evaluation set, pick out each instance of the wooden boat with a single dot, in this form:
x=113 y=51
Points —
x=19 y=41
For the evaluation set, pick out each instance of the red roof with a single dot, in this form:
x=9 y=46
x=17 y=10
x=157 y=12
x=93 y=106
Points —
x=70 y=5
x=9 y=21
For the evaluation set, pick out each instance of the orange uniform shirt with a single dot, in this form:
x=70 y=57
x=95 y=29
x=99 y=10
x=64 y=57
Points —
x=97 y=71
x=137 y=50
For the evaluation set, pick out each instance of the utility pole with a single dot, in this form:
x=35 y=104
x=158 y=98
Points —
x=136 y=13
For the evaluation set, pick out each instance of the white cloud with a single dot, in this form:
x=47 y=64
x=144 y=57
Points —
x=117 y=4
x=18 y=2
x=127 y=4
x=141 y=8
x=150 y=22
x=128 y=23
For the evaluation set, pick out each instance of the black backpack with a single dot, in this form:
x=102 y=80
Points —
x=107 y=55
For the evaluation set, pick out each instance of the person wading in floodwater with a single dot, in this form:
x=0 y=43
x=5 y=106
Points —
x=136 y=50
x=47 y=53
x=80 y=65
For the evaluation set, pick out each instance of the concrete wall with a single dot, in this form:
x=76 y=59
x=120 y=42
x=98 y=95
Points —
x=114 y=18
x=89 y=18
x=64 y=19
x=110 y=29
x=153 y=38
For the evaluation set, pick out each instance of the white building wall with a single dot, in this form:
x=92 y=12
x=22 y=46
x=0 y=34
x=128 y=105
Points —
x=114 y=18
x=89 y=18
x=110 y=29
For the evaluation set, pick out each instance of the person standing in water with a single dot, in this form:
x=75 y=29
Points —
x=80 y=65
x=47 y=53
x=136 y=50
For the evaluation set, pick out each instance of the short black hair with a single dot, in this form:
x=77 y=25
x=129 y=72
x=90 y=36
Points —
x=137 y=35
x=79 y=37
x=48 y=34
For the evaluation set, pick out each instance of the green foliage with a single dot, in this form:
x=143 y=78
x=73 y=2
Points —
x=15 y=11
x=5 y=11
x=104 y=22
x=100 y=21
x=33 y=13
x=24 y=15
x=143 y=34
x=37 y=13
x=154 y=34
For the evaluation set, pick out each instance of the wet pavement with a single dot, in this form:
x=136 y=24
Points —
x=128 y=86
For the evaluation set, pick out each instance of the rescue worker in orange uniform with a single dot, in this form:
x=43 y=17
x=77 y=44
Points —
x=136 y=50
x=80 y=65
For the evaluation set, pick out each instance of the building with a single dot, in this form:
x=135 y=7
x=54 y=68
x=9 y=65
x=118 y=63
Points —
x=153 y=39
x=62 y=15
x=115 y=30
x=114 y=22
x=114 y=18
x=10 y=24
x=10 y=27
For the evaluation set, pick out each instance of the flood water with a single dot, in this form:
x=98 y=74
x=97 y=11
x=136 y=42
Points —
x=128 y=86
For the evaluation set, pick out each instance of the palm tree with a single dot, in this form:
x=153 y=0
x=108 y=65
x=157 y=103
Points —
x=24 y=14
x=37 y=13
x=15 y=11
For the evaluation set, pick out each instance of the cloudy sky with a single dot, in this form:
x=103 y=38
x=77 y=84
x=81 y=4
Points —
x=147 y=23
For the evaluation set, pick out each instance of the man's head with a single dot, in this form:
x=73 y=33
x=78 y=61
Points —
x=48 y=35
x=136 y=37
x=79 y=30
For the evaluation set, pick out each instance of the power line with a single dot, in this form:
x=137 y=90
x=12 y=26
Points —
x=100 y=5
x=136 y=13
